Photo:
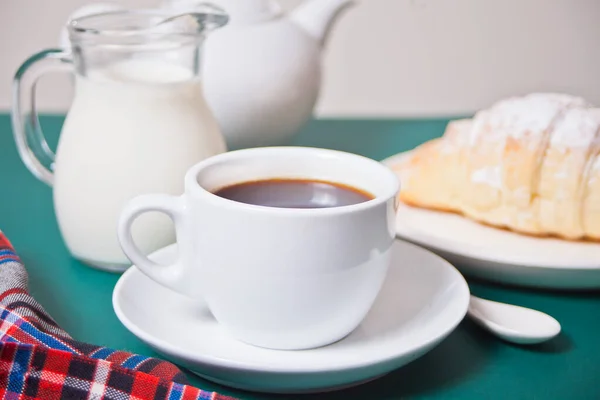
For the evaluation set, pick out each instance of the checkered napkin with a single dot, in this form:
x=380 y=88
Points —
x=39 y=360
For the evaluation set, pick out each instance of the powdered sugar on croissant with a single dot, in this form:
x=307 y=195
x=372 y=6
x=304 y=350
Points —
x=530 y=164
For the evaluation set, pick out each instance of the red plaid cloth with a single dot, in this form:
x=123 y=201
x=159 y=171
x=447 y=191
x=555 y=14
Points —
x=39 y=360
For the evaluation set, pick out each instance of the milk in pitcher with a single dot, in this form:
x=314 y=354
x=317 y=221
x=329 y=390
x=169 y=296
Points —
x=134 y=127
x=137 y=123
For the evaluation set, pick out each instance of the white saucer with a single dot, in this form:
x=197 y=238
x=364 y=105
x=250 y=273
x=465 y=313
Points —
x=423 y=300
x=499 y=255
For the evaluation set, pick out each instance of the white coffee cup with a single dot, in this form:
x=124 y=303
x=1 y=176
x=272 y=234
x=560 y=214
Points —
x=280 y=278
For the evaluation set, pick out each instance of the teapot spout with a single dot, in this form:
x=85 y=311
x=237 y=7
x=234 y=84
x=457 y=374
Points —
x=317 y=17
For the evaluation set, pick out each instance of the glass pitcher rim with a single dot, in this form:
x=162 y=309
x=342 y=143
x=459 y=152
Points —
x=207 y=16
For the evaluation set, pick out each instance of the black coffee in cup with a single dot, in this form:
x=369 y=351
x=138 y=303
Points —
x=294 y=193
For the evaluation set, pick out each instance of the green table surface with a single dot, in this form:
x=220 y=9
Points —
x=469 y=364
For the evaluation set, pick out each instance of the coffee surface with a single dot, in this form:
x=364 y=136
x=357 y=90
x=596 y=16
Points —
x=294 y=193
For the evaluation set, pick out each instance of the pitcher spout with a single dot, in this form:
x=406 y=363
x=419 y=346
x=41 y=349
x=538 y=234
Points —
x=317 y=17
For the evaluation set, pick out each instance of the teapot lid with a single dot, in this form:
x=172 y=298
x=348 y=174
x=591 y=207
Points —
x=239 y=11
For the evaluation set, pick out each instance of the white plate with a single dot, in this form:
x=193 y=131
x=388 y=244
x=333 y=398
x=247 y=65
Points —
x=498 y=255
x=423 y=300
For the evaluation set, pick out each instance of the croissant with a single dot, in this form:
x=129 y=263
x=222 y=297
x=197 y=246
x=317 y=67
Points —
x=529 y=164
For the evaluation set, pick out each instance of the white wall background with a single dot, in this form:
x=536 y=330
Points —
x=391 y=57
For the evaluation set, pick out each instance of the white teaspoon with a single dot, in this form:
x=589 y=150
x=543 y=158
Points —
x=513 y=323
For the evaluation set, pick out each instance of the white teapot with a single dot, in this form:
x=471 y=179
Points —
x=262 y=72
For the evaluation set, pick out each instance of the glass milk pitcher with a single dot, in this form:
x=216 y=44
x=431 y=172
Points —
x=137 y=122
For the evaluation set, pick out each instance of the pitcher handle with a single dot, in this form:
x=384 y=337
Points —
x=31 y=143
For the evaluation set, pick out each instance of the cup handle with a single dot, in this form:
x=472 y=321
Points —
x=172 y=276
